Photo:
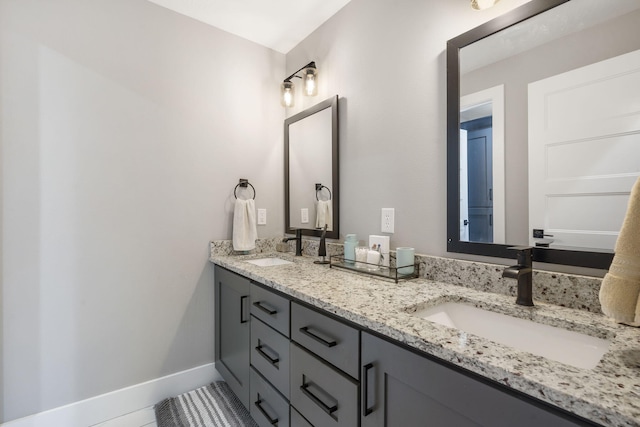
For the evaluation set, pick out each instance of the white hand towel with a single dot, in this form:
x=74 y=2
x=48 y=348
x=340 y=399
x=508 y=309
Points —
x=620 y=289
x=244 y=225
x=324 y=214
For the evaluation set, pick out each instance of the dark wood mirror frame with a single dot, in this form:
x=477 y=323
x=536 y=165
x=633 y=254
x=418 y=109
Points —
x=580 y=258
x=335 y=190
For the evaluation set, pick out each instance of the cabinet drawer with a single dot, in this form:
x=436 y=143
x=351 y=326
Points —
x=272 y=309
x=330 y=339
x=268 y=408
x=270 y=355
x=322 y=394
x=298 y=420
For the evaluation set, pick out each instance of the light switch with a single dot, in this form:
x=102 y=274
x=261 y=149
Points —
x=262 y=217
x=304 y=215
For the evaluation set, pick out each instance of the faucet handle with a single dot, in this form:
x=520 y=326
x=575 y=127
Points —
x=524 y=255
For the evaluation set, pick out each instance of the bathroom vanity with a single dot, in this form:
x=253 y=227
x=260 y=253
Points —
x=305 y=344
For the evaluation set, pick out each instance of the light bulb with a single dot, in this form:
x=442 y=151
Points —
x=483 y=4
x=310 y=85
x=287 y=94
x=309 y=76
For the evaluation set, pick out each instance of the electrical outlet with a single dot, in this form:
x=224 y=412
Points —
x=388 y=218
x=304 y=215
x=262 y=217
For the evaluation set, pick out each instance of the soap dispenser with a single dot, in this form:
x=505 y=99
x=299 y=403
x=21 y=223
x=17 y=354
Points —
x=350 y=243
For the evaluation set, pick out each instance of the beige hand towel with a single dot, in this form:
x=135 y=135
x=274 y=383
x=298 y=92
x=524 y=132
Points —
x=245 y=232
x=620 y=290
x=324 y=214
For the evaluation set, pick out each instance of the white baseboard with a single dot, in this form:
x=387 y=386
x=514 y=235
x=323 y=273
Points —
x=116 y=403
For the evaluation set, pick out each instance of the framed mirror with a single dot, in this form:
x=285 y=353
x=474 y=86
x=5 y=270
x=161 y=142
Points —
x=311 y=182
x=543 y=132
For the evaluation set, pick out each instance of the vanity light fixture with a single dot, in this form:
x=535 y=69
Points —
x=309 y=79
x=483 y=4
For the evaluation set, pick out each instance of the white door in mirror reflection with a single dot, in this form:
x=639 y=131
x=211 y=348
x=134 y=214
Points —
x=482 y=166
x=464 y=188
x=584 y=151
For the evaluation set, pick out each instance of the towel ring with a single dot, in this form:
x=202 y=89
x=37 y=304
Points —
x=244 y=183
x=319 y=187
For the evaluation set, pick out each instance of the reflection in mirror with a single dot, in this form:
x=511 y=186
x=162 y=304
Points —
x=482 y=166
x=311 y=170
x=310 y=163
x=570 y=130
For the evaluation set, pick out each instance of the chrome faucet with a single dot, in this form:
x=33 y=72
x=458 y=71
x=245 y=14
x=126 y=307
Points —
x=523 y=272
x=298 y=240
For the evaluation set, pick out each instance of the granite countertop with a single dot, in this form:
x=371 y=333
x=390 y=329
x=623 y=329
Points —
x=609 y=394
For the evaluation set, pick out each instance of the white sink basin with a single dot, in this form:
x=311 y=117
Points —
x=268 y=262
x=573 y=348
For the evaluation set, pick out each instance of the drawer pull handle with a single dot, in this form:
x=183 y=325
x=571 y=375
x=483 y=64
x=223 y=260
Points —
x=265 y=309
x=242 y=298
x=274 y=362
x=328 y=409
x=366 y=410
x=305 y=330
x=271 y=421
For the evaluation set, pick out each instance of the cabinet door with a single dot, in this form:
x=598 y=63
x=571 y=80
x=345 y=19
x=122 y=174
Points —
x=232 y=331
x=401 y=388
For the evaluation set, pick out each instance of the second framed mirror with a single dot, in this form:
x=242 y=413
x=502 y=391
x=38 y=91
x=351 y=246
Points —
x=312 y=192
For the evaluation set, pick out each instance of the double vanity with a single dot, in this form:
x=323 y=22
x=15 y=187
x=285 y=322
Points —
x=306 y=344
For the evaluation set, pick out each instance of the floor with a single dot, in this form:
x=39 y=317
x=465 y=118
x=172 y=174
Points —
x=143 y=418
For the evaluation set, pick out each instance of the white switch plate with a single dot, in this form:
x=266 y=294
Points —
x=388 y=218
x=304 y=215
x=262 y=217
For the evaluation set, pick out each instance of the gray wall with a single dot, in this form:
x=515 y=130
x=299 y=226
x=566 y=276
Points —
x=386 y=60
x=125 y=128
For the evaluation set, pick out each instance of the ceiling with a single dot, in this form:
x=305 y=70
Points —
x=276 y=24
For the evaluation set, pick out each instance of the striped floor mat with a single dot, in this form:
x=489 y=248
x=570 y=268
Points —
x=209 y=406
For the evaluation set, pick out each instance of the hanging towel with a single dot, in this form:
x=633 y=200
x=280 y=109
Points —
x=620 y=290
x=324 y=214
x=244 y=225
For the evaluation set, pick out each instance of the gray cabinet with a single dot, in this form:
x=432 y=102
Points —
x=325 y=396
x=271 y=308
x=401 y=388
x=269 y=387
x=232 y=331
x=270 y=355
x=329 y=373
x=331 y=340
x=325 y=355
x=268 y=407
x=298 y=420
